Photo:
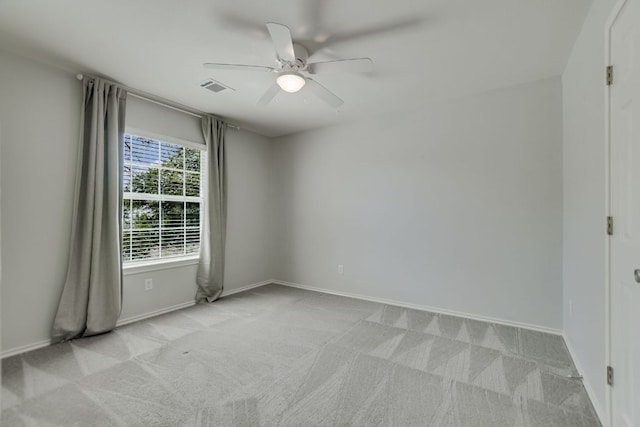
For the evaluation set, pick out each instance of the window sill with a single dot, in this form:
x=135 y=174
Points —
x=144 y=267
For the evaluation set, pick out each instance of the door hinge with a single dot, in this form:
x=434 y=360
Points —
x=609 y=75
x=610 y=226
x=609 y=375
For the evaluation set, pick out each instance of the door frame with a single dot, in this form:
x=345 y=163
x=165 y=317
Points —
x=615 y=12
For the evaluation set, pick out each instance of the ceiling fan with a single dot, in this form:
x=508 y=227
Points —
x=293 y=69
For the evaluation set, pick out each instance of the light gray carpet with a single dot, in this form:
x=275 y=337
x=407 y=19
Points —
x=278 y=356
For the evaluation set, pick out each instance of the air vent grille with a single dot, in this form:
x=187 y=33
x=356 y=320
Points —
x=214 y=86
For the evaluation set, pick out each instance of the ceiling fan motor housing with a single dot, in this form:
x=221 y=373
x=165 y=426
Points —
x=301 y=54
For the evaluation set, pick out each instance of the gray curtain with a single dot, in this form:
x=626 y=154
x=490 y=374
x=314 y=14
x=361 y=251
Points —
x=92 y=297
x=210 y=275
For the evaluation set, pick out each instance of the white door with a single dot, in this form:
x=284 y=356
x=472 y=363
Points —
x=625 y=209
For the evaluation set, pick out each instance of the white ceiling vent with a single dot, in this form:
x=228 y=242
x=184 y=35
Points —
x=215 y=86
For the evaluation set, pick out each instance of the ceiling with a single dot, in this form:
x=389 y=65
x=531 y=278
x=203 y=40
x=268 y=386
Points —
x=422 y=50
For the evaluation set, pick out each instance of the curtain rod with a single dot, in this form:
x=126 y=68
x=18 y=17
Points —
x=159 y=100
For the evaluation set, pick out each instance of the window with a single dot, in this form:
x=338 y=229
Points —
x=162 y=197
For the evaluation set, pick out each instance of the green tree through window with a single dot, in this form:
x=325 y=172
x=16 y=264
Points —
x=162 y=199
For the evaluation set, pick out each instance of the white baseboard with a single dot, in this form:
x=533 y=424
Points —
x=132 y=319
x=225 y=293
x=597 y=406
x=122 y=322
x=424 y=308
x=246 y=288
x=25 y=348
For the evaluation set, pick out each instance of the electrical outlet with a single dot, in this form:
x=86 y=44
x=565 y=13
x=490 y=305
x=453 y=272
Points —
x=340 y=269
x=148 y=284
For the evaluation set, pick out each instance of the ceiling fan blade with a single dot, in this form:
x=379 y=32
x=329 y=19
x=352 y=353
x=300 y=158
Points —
x=324 y=94
x=313 y=12
x=377 y=30
x=239 y=23
x=268 y=95
x=355 y=65
x=240 y=67
x=281 y=36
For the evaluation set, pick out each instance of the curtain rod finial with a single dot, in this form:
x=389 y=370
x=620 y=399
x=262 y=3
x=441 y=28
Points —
x=79 y=76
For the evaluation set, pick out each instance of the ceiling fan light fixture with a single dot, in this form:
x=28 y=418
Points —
x=290 y=81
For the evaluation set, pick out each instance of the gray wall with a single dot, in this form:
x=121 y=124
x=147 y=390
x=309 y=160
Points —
x=39 y=111
x=39 y=115
x=456 y=206
x=584 y=239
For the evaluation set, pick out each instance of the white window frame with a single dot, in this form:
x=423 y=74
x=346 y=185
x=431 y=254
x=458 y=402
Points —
x=142 y=266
